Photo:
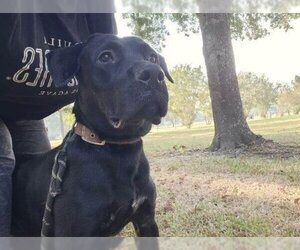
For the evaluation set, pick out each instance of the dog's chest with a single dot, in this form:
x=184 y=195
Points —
x=111 y=211
x=102 y=194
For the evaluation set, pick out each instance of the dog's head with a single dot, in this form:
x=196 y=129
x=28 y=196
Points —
x=122 y=89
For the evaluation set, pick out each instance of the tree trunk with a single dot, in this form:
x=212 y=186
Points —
x=231 y=128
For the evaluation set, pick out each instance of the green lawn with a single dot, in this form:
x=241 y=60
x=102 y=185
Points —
x=285 y=130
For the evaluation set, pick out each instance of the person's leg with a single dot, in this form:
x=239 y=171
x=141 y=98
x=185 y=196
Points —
x=7 y=164
x=25 y=138
x=29 y=137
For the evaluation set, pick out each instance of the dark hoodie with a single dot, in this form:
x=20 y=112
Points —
x=26 y=90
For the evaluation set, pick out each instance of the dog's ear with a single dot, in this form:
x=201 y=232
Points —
x=164 y=67
x=63 y=63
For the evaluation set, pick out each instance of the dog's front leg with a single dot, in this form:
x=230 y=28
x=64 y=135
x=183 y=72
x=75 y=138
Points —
x=144 y=221
x=144 y=216
x=145 y=226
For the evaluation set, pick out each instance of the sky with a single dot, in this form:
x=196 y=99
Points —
x=277 y=55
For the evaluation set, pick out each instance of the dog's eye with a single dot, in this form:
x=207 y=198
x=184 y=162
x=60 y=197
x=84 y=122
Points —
x=106 y=57
x=152 y=58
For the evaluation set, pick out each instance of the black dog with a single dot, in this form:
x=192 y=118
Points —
x=122 y=92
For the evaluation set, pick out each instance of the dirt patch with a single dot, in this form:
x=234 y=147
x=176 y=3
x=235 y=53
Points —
x=225 y=187
x=226 y=203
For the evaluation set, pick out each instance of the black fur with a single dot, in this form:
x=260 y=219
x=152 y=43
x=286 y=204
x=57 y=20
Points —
x=105 y=187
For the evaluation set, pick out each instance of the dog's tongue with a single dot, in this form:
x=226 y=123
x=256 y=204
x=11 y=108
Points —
x=117 y=123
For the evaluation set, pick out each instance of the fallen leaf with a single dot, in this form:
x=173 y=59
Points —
x=225 y=197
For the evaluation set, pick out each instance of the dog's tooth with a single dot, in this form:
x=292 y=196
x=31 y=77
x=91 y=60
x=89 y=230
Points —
x=117 y=124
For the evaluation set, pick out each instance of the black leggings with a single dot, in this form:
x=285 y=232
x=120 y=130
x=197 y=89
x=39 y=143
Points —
x=16 y=138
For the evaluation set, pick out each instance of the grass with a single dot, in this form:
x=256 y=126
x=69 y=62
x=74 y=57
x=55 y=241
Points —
x=285 y=130
x=253 y=192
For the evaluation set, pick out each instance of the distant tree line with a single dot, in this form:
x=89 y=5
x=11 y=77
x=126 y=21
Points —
x=190 y=95
x=288 y=99
x=260 y=93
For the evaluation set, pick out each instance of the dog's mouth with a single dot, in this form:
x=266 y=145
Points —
x=116 y=122
x=120 y=123
x=149 y=112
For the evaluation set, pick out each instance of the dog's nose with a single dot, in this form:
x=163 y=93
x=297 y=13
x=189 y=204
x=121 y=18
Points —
x=151 y=75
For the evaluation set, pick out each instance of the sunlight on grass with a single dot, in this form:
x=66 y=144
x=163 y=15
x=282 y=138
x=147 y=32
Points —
x=282 y=130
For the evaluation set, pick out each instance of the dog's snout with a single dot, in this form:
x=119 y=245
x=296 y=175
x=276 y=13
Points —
x=151 y=75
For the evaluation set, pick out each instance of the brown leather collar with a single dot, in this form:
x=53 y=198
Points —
x=90 y=137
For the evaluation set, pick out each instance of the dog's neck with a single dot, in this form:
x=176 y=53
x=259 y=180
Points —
x=89 y=136
x=104 y=131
